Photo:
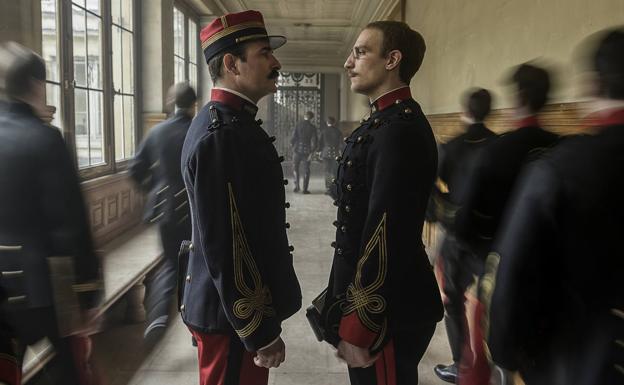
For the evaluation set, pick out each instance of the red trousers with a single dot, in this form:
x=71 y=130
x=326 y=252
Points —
x=223 y=360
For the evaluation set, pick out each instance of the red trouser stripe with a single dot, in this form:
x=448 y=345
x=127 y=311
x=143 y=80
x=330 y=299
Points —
x=385 y=366
x=213 y=352
x=10 y=372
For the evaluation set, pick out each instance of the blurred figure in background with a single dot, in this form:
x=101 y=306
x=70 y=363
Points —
x=330 y=142
x=42 y=217
x=489 y=186
x=156 y=168
x=456 y=156
x=557 y=310
x=304 y=142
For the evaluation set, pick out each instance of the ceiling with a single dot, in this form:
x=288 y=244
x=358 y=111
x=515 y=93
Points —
x=320 y=32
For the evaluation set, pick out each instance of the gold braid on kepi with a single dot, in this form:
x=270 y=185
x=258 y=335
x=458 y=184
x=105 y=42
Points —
x=256 y=301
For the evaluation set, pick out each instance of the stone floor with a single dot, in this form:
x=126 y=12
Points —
x=123 y=360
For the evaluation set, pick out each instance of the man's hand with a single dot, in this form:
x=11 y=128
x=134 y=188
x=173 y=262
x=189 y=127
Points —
x=271 y=356
x=355 y=356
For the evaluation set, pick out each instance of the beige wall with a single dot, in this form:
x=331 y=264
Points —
x=473 y=43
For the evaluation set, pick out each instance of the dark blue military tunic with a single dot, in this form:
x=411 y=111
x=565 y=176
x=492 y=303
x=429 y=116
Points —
x=557 y=311
x=380 y=268
x=240 y=272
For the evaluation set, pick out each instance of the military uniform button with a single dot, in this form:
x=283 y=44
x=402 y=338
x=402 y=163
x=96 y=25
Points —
x=259 y=121
x=349 y=187
x=291 y=248
x=333 y=180
x=346 y=139
x=287 y=225
x=338 y=158
x=333 y=244
x=182 y=307
x=359 y=139
x=280 y=158
x=335 y=203
x=188 y=278
x=191 y=247
x=397 y=101
x=287 y=205
x=339 y=251
x=343 y=228
x=350 y=163
x=376 y=120
x=407 y=110
x=348 y=208
x=272 y=139
x=335 y=223
x=285 y=182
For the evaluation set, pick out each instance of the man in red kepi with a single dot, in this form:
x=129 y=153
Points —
x=381 y=274
x=240 y=283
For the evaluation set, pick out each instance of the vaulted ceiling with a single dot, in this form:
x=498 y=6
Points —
x=320 y=32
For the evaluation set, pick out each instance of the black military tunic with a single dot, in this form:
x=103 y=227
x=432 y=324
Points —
x=240 y=272
x=380 y=268
x=156 y=168
x=42 y=216
x=491 y=180
x=330 y=143
x=557 y=311
x=304 y=141
x=456 y=158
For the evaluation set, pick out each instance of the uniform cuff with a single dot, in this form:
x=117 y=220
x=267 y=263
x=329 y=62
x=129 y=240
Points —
x=354 y=332
x=269 y=344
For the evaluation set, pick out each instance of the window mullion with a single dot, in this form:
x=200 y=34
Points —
x=108 y=133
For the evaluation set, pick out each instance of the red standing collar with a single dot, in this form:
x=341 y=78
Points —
x=392 y=97
x=529 y=121
x=233 y=101
x=613 y=117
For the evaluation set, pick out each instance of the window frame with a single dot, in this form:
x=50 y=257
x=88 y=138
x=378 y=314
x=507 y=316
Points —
x=189 y=15
x=68 y=87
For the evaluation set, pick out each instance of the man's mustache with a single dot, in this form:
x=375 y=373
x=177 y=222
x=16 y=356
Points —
x=274 y=74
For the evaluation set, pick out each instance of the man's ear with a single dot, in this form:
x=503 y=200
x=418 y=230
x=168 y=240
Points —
x=394 y=59
x=229 y=64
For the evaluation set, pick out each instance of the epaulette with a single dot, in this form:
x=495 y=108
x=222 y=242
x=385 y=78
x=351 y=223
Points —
x=215 y=118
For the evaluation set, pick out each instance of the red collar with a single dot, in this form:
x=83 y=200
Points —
x=233 y=101
x=614 y=117
x=392 y=97
x=529 y=121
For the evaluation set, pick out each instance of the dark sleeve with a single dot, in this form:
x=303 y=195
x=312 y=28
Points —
x=226 y=180
x=321 y=141
x=140 y=168
x=365 y=322
x=295 y=136
x=468 y=200
x=64 y=212
x=315 y=139
x=517 y=269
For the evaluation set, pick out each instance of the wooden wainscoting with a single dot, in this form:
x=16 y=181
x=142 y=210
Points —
x=114 y=205
x=152 y=119
x=562 y=118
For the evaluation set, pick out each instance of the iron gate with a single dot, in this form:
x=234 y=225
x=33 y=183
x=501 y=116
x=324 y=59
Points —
x=296 y=94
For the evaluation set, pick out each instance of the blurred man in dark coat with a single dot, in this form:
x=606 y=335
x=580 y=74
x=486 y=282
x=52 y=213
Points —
x=456 y=158
x=304 y=143
x=42 y=216
x=489 y=187
x=240 y=284
x=557 y=311
x=388 y=302
x=156 y=168
x=330 y=143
